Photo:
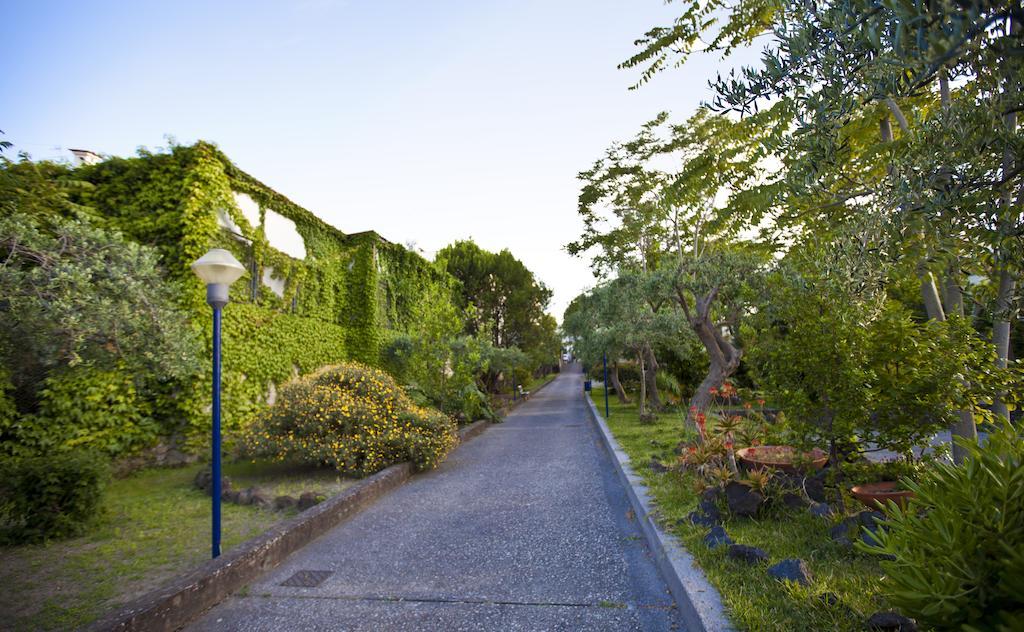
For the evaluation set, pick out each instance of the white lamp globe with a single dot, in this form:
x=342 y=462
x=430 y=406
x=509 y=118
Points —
x=218 y=267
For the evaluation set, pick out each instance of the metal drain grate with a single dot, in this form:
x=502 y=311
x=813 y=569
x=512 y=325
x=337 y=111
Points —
x=307 y=579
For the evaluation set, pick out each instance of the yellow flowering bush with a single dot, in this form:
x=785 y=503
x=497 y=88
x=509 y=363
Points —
x=354 y=418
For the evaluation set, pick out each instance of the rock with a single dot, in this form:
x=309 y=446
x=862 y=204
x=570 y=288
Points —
x=258 y=498
x=656 y=466
x=710 y=510
x=841 y=531
x=891 y=621
x=245 y=497
x=204 y=481
x=871 y=519
x=717 y=537
x=284 y=502
x=820 y=510
x=701 y=519
x=742 y=500
x=791 y=570
x=748 y=554
x=830 y=599
x=307 y=500
x=712 y=495
x=814 y=487
x=230 y=496
x=792 y=500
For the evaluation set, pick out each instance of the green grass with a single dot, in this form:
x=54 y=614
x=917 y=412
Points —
x=538 y=382
x=753 y=599
x=154 y=526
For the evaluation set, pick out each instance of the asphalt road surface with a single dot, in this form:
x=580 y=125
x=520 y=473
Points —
x=523 y=528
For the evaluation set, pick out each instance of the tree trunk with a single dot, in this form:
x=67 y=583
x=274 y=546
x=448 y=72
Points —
x=724 y=360
x=1001 y=332
x=954 y=307
x=651 y=377
x=1007 y=282
x=643 y=385
x=617 y=385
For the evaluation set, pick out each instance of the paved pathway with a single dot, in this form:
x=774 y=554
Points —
x=522 y=528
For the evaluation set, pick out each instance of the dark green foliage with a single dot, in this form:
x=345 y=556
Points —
x=958 y=548
x=847 y=364
x=50 y=496
x=500 y=295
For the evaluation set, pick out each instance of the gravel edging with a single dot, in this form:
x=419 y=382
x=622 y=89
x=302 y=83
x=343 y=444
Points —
x=700 y=605
x=184 y=598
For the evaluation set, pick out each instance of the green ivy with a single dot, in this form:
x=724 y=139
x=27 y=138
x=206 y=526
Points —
x=349 y=294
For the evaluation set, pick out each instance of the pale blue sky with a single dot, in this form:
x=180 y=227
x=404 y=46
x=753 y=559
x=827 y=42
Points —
x=425 y=121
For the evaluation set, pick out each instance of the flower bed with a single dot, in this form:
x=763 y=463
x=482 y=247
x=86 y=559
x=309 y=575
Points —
x=845 y=589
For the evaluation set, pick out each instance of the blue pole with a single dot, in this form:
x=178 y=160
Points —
x=216 y=431
x=606 y=411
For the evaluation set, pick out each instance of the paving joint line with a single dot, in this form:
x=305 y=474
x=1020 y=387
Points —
x=467 y=601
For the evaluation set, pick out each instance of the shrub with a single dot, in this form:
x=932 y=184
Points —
x=355 y=419
x=958 y=548
x=51 y=496
x=86 y=408
x=83 y=307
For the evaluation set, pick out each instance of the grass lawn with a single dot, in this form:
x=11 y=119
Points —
x=754 y=600
x=154 y=526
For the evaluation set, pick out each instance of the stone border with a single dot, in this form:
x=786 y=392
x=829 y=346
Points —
x=699 y=602
x=183 y=599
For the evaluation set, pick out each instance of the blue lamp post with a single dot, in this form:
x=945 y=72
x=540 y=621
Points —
x=218 y=269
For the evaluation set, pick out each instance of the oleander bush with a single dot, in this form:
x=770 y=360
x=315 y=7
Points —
x=354 y=418
x=52 y=496
x=956 y=552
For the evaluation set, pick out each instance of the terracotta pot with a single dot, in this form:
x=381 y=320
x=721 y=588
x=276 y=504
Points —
x=875 y=495
x=781 y=457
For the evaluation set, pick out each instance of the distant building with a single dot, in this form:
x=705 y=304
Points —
x=85 y=157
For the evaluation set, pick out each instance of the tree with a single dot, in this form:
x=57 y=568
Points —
x=88 y=321
x=951 y=181
x=613 y=319
x=682 y=225
x=502 y=299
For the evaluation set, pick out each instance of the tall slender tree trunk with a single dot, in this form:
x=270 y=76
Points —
x=1007 y=280
x=617 y=385
x=643 y=385
x=1001 y=332
x=954 y=306
x=651 y=378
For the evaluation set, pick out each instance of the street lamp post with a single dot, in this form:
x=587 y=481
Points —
x=218 y=269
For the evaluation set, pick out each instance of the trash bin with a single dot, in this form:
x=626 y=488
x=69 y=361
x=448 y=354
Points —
x=586 y=385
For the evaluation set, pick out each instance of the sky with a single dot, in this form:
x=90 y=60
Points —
x=427 y=122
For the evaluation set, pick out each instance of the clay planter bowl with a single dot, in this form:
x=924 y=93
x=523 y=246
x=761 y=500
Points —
x=780 y=457
x=875 y=495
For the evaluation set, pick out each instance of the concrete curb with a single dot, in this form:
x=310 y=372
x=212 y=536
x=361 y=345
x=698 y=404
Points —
x=700 y=605
x=186 y=597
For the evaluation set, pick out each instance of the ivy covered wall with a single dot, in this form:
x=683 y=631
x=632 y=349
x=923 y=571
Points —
x=341 y=301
